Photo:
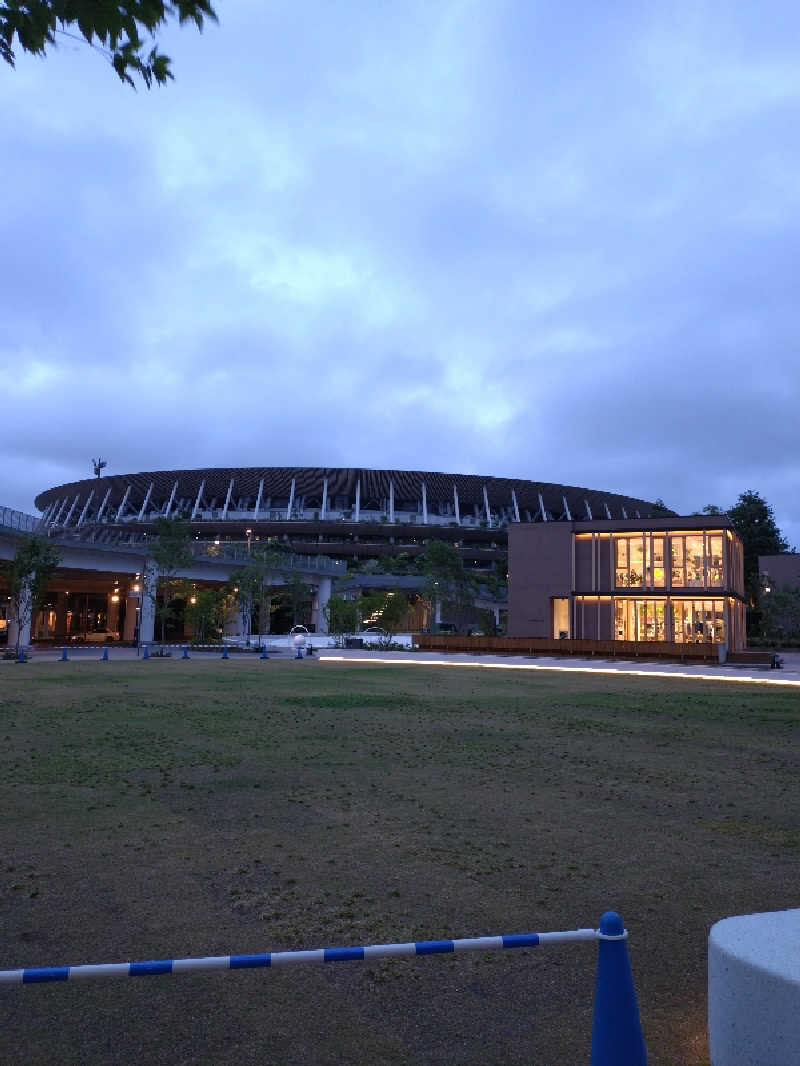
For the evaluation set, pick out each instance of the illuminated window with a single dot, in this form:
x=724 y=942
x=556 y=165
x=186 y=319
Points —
x=695 y=621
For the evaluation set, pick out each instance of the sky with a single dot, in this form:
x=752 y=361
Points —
x=514 y=238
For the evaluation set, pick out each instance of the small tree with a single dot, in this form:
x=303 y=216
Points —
x=342 y=615
x=446 y=580
x=169 y=554
x=206 y=613
x=28 y=575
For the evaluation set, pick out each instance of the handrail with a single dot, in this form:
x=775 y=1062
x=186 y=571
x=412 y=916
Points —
x=19 y=520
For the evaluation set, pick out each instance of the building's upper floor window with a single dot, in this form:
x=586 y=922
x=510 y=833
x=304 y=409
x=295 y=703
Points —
x=696 y=560
x=640 y=561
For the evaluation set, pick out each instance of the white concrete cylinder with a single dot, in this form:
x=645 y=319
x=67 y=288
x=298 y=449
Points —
x=754 y=990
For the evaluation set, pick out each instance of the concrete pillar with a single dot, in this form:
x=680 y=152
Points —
x=319 y=603
x=60 y=631
x=112 y=614
x=147 y=604
x=131 y=613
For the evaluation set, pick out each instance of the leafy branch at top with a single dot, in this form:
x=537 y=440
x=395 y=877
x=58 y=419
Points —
x=115 y=29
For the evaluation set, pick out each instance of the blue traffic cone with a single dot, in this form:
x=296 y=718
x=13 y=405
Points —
x=64 y=656
x=617 y=1029
x=185 y=653
x=105 y=655
x=225 y=652
x=145 y=652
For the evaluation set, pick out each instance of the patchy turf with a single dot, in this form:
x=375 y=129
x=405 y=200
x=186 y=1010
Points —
x=165 y=809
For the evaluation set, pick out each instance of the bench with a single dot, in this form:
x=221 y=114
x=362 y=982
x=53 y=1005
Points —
x=756 y=658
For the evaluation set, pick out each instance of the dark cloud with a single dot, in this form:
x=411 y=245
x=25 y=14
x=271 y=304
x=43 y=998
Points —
x=516 y=239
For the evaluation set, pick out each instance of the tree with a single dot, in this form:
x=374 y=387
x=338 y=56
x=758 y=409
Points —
x=28 y=575
x=780 y=612
x=248 y=583
x=206 y=613
x=115 y=29
x=296 y=592
x=446 y=581
x=170 y=553
x=659 y=509
x=342 y=614
x=754 y=521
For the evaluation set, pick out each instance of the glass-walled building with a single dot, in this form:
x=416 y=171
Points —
x=675 y=580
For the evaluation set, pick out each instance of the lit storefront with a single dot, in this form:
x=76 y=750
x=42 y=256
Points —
x=677 y=580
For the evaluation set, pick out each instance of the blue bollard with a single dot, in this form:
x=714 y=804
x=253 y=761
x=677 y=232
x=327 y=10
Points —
x=225 y=652
x=263 y=654
x=299 y=653
x=185 y=653
x=105 y=655
x=21 y=657
x=145 y=652
x=64 y=656
x=617 y=1038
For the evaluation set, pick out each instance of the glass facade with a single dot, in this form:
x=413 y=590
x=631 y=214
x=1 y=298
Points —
x=679 y=620
x=640 y=620
x=697 y=560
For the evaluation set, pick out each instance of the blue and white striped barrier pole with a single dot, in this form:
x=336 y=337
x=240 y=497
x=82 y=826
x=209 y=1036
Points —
x=288 y=958
x=616 y=1031
x=64 y=656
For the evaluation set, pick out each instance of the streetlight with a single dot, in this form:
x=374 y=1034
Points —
x=249 y=534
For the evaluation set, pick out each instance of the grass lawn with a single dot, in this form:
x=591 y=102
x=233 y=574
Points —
x=169 y=808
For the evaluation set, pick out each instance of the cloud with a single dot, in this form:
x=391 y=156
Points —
x=512 y=239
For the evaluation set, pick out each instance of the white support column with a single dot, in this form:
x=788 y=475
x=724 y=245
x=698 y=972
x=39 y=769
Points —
x=486 y=506
x=291 y=501
x=171 y=498
x=358 y=500
x=46 y=516
x=72 y=508
x=424 y=505
x=637 y=514
x=588 y=509
x=515 y=505
x=57 y=518
x=608 y=513
x=85 y=509
x=566 y=508
x=624 y=514
x=455 y=504
x=391 y=500
x=541 y=508
x=147 y=603
x=257 y=507
x=227 y=501
x=145 y=502
x=198 y=499
x=319 y=603
x=123 y=505
x=58 y=513
x=58 y=507
x=100 y=513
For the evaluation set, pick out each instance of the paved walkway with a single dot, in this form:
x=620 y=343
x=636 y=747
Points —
x=789 y=675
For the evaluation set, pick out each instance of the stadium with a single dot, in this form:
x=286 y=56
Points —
x=346 y=513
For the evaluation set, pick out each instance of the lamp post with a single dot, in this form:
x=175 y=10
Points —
x=249 y=534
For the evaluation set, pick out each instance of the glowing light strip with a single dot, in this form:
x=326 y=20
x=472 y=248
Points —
x=621 y=671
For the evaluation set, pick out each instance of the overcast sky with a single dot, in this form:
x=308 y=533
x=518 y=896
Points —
x=556 y=241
